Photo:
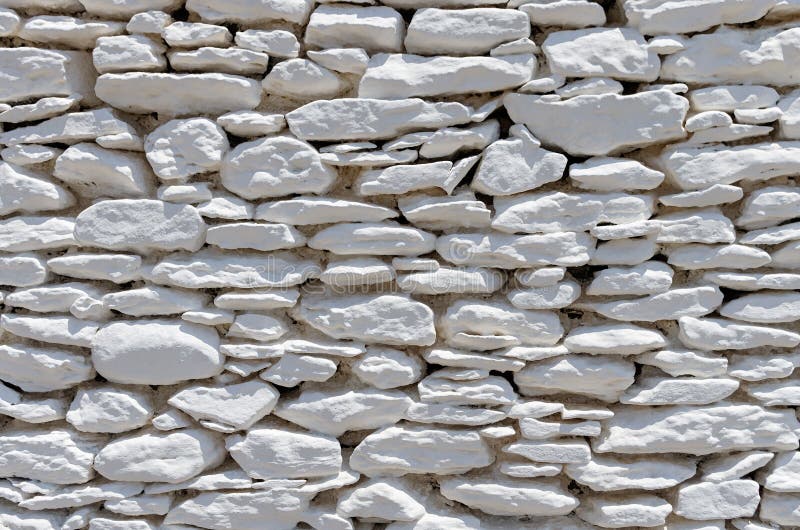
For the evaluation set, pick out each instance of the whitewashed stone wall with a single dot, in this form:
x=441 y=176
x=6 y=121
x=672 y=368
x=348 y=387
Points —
x=399 y=264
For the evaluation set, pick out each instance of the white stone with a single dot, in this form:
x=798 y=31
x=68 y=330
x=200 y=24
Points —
x=729 y=55
x=488 y=391
x=695 y=226
x=156 y=352
x=400 y=450
x=117 y=268
x=564 y=13
x=764 y=307
x=769 y=206
x=250 y=123
x=22 y=270
x=619 y=53
x=449 y=140
x=69 y=128
x=226 y=206
x=406 y=75
x=669 y=305
x=303 y=79
x=614 y=174
x=750 y=367
x=780 y=508
x=276 y=43
x=282 y=507
x=386 y=368
x=711 y=196
x=110 y=409
x=47 y=454
x=257 y=327
x=236 y=407
x=50 y=329
x=379 y=239
x=366 y=119
x=154 y=456
x=148 y=22
x=690 y=17
x=439 y=213
x=257 y=236
x=678 y=391
x=722 y=468
x=707 y=120
x=712 y=334
x=625 y=511
x=126 y=8
x=722 y=500
x=248 y=11
x=489 y=325
x=273 y=167
x=97 y=172
x=678 y=362
x=375 y=29
x=696 y=256
x=182 y=148
x=508 y=496
x=401 y=179
x=789 y=122
x=10 y=22
x=381 y=499
x=227 y=60
x=385 y=319
x=24 y=233
x=514 y=165
x=717 y=428
x=620 y=339
x=628 y=120
x=26 y=155
x=39 y=369
x=464 y=31
x=128 y=52
x=569 y=451
x=209 y=269
x=43 y=108
x=178 y=94
x=562 y=212
x=67 y=31
x=344 y=60
x=610 y=473
x=508 y=251
x=350 y=272
x=728 y=98
x=589 y=87
x=196 y=34
x=292 y=370
x=601 y=378
x=140 y=224
x=266 y=452
x=650 y=277
x=337 y=412
x=22 y=190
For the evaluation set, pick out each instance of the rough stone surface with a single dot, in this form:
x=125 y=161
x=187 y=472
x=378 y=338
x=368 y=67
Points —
x=401 y=264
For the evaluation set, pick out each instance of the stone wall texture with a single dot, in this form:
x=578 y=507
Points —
x=399 y=264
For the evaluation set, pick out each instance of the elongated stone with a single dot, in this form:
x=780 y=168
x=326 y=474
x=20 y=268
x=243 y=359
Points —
x=406 y=75
x=717 y=428
x=178 y=94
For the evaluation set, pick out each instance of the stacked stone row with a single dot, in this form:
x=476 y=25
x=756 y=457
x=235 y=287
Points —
x=403 y=265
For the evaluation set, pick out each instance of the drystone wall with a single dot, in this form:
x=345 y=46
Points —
x=399 y=264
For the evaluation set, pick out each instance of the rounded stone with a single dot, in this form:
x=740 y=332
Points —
x=153 y=456
x=156 y=352
x=274 y=167
x=182 y=148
